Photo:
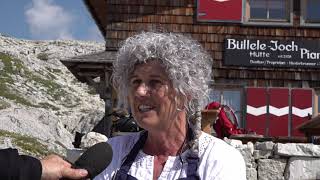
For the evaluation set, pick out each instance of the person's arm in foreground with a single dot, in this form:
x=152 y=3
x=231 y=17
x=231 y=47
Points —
x=15 y=167
x=54 y=167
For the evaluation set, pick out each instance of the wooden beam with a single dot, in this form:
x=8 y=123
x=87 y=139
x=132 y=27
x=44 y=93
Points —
x=98 y=10
x=95 y=66
x=312 y=131
x=90 y=74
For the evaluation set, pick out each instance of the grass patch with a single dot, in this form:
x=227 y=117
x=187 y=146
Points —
x=50 y=76
x=47 y=75
x=44 y=82
x=53 y=89
x=92 y=90
x=9 y=94
x=43 y=56
x=46 y=105
x=11 y=66
x=14 y=66
x=71 y=101
x=28 y=144
x=57 y=94
x=52 y=70
x=4 y=104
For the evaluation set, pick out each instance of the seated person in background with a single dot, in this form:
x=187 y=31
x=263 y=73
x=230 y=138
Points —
x=163 y=78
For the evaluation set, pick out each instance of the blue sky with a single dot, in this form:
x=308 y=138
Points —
x=47 y=19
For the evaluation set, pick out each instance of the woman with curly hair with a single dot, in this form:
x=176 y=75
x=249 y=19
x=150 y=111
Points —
x=163 y=78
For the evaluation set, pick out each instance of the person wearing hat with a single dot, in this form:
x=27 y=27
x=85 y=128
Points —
x=163 y=78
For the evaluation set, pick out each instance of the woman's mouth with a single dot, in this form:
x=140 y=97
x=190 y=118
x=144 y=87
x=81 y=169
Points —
x=145 y=108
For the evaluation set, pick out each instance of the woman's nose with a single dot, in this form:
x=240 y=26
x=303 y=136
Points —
x=142 y=90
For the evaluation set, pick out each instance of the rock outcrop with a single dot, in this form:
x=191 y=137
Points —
x=39 y=97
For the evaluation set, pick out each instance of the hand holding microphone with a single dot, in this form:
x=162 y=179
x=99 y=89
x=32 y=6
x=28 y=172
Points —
x=54 y=168
x=91 y=163
x=95 y=159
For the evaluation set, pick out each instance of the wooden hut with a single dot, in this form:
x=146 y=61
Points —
x=266 y=53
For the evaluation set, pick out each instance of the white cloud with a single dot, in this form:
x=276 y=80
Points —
x=47 y=20
x=94 y=34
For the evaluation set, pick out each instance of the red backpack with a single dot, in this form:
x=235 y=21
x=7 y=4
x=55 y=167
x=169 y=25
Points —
x=226 y=123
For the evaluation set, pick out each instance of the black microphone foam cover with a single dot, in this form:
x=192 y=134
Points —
x=95 y=159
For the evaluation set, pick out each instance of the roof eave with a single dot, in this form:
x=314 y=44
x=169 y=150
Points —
x=99 y=22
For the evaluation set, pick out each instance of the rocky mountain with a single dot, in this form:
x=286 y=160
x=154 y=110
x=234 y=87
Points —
x=41 y=102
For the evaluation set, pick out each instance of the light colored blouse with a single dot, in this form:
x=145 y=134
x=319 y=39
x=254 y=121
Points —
x=218 y=160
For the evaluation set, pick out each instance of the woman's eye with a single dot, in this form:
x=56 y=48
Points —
x=154 y=82
x=135 y=82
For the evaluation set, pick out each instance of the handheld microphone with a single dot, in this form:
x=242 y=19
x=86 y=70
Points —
x=95 y=159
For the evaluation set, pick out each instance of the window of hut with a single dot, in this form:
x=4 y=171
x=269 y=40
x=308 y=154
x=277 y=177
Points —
x=310 y=11
x=230 y=97
x=273 y=11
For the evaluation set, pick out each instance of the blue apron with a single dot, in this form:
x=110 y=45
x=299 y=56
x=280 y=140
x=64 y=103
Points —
x=122 y=173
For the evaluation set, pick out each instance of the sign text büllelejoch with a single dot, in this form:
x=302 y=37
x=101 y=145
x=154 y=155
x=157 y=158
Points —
x=272 y=53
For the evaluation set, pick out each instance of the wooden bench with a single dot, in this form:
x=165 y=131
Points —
x=311 y=129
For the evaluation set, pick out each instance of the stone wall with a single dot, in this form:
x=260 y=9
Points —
x=274 y=161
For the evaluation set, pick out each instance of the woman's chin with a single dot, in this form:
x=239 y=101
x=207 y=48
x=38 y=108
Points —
x=148 y=123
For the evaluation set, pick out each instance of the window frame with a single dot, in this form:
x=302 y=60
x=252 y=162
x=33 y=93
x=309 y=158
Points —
x=303 y=11
x=267 y=22
x=316 y=102
x=233 y=87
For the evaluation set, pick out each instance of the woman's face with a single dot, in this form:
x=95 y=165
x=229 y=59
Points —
x=151 y=96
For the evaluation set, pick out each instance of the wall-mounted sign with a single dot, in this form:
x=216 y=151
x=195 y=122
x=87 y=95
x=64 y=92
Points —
x=219 y=10
x=272 y=53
